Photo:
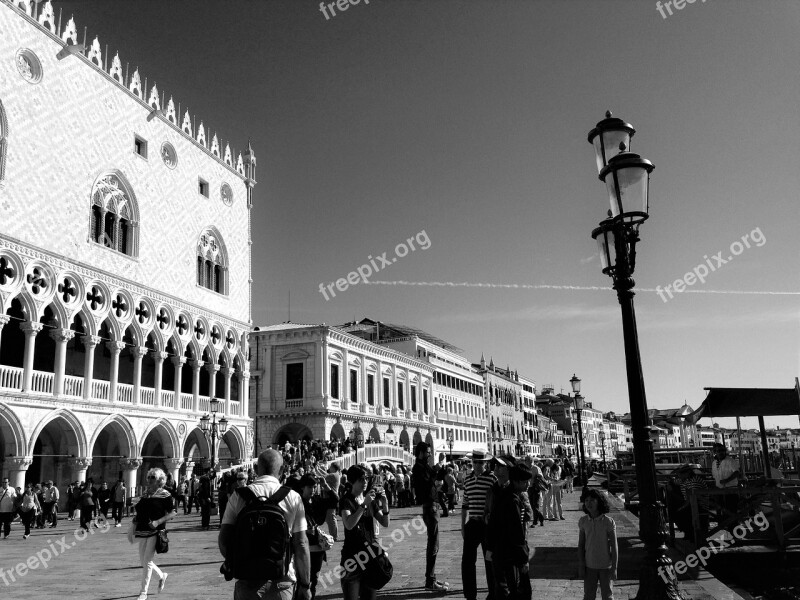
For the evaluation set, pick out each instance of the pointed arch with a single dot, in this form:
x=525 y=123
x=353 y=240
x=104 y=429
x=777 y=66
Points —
x=114 y=214
x=167 y=433
x=121 y=426
x=212 y=261
x=74 y=432
x=15 y=443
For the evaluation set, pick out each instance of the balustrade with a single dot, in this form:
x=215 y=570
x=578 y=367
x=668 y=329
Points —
x=234 y=407
x=205 y=407
x=100 y=390
x=11 y=377
x=124 y=392
x=73 y=386
x=42 y=382
x=187 y=402
x=147 y=396
x=168 y=399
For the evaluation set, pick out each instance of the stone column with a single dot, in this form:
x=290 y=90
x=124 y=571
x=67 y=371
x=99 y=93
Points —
x=196 y=366
x=4 y=319
x=189 y=469
x=178 y=361
x=138 y=353
x=129 y=468
x=212 y=369
x=17 y=467
x=90 y=342
x=244 y=395
x=319 y=370
x=158 y=357
x=228 y=373
x=173 y=466
x=30 y=328
x=62 y=337
x=78 y=467
x=115 y=348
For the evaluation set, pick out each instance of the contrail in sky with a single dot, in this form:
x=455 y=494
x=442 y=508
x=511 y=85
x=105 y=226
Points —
x=591 y=288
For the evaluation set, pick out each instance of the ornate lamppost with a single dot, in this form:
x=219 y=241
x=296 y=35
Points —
x=627 y=179
x=578 y=401
x=603 y=449
x=450 y=442
x=358 y=435
x=213 y=430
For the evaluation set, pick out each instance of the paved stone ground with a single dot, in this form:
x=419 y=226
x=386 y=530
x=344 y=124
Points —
x=103 y=566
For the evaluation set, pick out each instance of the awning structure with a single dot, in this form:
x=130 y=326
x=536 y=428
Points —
x=748 y=402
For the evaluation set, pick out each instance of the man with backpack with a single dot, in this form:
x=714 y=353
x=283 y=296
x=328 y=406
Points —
x=260 y=560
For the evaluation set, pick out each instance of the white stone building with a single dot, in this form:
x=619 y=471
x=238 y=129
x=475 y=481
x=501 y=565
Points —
x=124 y=266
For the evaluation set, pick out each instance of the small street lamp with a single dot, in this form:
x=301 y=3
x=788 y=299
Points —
x=358 y=435
x=603 y=449
x=627 y=180
x=578 y=400
x=450 y=442
x=212 y=430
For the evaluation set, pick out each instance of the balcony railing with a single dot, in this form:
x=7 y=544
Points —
x=125 y=393
x=235 y=408
x=42 y=382
x=187 y=401
x=11 y=377
x=167 y=398
x=205 y=405
x=147 y=396
x=100 y=390
x=73 y=386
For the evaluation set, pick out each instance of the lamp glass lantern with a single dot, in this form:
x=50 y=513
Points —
x=627 y=179
x=204 y=423
x=604 y=236
x=213 y=405
x=578 y=402
x=607 y=136
x=575 y=382
x=223 y=425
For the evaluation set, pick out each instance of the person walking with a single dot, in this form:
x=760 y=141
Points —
x=50 y=506
x=568 y=471
x=556 y=489
x=104 y=499
x=7 y=505
x=118 y=499
x=360 y=509
x=194 y=487
x=73 y=497
x=510 y=553
x=473 y=527
x=204 y=497
x=450 y=488
x=597 y=547
x=423 y=477
x=153 y=511
x=29 y=507
x=270 y=464
x=86 y=506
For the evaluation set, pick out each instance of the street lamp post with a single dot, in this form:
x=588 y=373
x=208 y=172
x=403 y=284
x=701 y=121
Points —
x=627 y=179
x=603 y=449
x=212 y=430
x=450 y=441
x=794 y=463
x=578 y=400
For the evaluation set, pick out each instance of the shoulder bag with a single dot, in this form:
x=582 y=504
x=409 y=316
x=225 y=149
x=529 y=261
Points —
x=162 y=542
x=379 y=569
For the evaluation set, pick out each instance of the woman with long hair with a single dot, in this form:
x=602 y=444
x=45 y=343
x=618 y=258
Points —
x=153 y=512
x=29 y=507
x=360 y=509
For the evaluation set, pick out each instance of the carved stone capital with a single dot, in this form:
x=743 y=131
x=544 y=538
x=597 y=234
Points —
x=212 y=367
x=140 y=351
x=31 y=328
x=130 y=464
x=62 y=335
x=4 y=319
x=173 y=463
x=91 y=341
x=19 y=463
x=159 y=356
x=79 y=462
x=227 y=371
x=245 y=374
x=178 y=361
x=115 y=347
x=197 y=365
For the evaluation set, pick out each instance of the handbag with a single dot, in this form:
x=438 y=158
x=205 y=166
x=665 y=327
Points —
x=162 y=542
x=379 y=569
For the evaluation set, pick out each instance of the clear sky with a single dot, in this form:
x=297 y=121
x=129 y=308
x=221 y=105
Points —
x=467 y=120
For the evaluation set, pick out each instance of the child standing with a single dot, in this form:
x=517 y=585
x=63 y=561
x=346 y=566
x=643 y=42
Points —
x=597 y=547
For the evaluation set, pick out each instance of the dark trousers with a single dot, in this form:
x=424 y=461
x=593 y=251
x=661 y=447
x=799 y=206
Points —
x=316 y=567
x=27 y=519
x=205 y=512
x=50 y=513
x=5 y=520
x=443 y=504
x=430 y=516
x=512 y=582
x=116 y=511
x=474 y=536
x=192 y=500
x=87 y=514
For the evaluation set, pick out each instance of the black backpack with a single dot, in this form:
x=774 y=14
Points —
x=263 y=548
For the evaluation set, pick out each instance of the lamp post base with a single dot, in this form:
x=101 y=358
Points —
x=657 y=579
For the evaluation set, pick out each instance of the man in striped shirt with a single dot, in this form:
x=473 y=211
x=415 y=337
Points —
x=473 y=527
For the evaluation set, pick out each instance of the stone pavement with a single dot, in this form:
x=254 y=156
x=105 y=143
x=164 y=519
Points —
x=103 y=566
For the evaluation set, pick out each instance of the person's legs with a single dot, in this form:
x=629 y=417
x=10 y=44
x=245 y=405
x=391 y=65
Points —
x=557 y=511
x=26 y=518
x=330 y=520
x=54 y=513
x=147 y=551
x=430 y=516
x=469 y=555
x=351 y=586
x=5 y=519
x=590 y=584
x=606 y=585
x=524 y=591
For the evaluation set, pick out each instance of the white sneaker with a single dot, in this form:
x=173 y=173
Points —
x=118 y=525
x=162 y=582
x=142 y=596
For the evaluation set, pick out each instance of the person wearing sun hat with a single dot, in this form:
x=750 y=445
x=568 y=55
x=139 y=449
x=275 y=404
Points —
x=473 y=527
x=507 y=522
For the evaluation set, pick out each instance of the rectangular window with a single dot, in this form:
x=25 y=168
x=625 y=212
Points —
x=400 y=403
x=425 y=401
x=294 y=381
x=371 y=389
x=386 y=392
x=353 y=385
x=140 y=146
x=413 y=398
x=202 y=186
x=335 y=381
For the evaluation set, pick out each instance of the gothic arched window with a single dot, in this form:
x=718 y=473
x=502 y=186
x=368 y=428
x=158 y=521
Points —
x=115 y=215
x=212 y=262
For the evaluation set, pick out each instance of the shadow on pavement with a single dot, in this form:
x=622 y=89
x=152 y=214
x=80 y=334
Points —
x=558 y=562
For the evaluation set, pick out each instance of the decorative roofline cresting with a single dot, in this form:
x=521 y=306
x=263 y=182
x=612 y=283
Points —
x=42 y=15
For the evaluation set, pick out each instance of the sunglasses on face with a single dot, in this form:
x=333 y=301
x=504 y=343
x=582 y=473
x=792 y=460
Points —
x=151 y=477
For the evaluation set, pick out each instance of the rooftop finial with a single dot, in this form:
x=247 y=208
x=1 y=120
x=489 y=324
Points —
x=608 y=114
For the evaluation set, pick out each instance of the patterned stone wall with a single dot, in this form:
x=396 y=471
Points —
x=76 y=124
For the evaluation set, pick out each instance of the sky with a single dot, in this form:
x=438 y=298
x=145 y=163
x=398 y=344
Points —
x=462 y=125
